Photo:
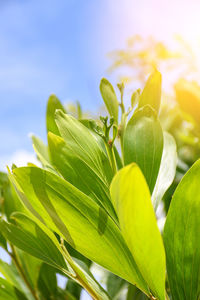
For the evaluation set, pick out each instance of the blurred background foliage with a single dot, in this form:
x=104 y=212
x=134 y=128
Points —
x=180 y=104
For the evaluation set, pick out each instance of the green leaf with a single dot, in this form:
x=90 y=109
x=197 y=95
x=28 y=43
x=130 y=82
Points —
x=83 y=143
x=29 y=237
x=10 y=201
x=31 y=267
x=12 y=276
x=134 y=293
x=118 y=158
x=79 y=220
x=114 y=285
x=167 y=169
x=9 y=292
x=42 y=153
x=143 y=143
x=41 y=150
x=151 y=93
x=135 y=97
x=3 y=242
x=52 y=105
x=131 y=198
x=181 y=237
x=74 y=289
x=96 y=131
x=47 y=282
x=79 y=173
x=109 y=98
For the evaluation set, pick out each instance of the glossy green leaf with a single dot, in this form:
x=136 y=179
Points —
x=151 y=93
x=167 y=169
x=79 y=220
x=131 y=198
x=52 y=105
x=181 y=237
x=9 y=292
x=78 y=172
x=109 y=98
x=84 y=144
x=143 y=143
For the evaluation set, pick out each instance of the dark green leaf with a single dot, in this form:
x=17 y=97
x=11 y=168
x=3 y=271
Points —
x=181 y=237
x=143 y=143
x=47 y=282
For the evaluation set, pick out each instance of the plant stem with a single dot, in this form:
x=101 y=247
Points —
x=111 y=155
x=122 y=128
x=79 y=275
x=17 y=262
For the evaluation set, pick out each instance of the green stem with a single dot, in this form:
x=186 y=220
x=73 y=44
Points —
x=122 y=128
x=111 y=156
x=79 y=275
x=17 y=262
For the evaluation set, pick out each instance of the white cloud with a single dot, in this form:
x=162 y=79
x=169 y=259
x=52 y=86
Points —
x=19 y=158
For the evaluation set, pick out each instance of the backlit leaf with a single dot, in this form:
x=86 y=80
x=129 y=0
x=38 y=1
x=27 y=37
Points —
x=79 y=220
x=167 y=169
x=52 y=105
x=131 y=198
x=151 y=93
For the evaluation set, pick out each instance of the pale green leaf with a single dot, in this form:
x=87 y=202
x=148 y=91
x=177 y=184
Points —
x=167 y=169
x=42 y=153
x=52 y=105
x=151 y=93
x=131 y=198
x=181 y=237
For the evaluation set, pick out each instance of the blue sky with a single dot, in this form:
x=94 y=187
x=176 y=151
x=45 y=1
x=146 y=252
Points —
x=60 y=47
